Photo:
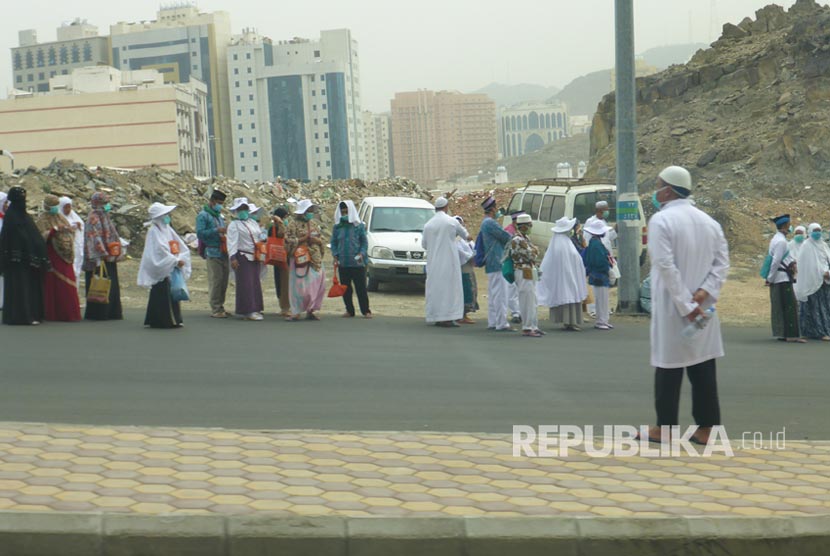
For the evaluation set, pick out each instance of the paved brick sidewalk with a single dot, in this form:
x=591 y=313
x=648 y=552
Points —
x=159 y=470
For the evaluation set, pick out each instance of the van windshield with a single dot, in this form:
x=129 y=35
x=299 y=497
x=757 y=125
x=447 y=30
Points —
x=400 y=219
x=585 y=204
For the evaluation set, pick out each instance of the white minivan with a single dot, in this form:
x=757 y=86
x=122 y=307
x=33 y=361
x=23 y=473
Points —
x=548 y=200
x=394 y=230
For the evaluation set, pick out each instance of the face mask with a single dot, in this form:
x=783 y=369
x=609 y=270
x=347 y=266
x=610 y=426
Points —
x=242 y=215
x=308 y=216
x=657 y=204
x=606 y=214
x=499 y=214
x=217 y=207
x=344 y=219
x=107 y=207
x=799 y=239
x=816 y=235
x=53 y=210
x=285 y=221
x=166 y=220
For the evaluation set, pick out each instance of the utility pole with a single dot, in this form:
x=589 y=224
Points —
x=629 y=233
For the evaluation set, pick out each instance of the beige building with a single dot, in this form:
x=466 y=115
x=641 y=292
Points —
x=378 y=146
x=182 y=43
x=441 y=135
x=100 y=116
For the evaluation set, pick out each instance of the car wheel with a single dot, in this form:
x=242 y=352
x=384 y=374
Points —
x=372 y=284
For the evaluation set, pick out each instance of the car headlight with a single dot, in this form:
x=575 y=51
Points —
x=382 y=253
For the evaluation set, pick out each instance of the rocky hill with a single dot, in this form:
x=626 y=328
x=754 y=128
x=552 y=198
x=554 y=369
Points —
x=749 y=116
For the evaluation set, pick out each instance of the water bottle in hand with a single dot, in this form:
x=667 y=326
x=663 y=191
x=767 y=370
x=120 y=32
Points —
x=693 y=328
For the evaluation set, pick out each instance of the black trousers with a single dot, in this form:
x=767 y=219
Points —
x=355 y=279
x=705 y=405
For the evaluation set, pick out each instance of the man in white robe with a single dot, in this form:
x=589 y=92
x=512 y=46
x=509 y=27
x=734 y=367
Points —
x=444 y=289
x=689 y=264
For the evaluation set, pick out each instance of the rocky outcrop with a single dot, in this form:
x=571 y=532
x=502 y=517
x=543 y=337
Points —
x=750 y=114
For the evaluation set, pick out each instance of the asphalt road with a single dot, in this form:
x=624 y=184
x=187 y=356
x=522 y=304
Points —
x=385 y=374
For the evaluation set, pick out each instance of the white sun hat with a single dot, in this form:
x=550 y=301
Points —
x=157 y=210
x=597 y=228
x=239 y=202
x=563 y=225
x=303 y=206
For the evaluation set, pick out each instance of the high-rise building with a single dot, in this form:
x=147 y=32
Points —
x=529 y=126
x=377 y=146
x=100 y=116
x=78 y=45
x=295 y=107
x=440 y=135
x=182 y=43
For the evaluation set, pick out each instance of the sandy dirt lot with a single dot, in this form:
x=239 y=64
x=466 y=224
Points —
x=744 y=299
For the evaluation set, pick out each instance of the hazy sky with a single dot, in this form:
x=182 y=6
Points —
x=428 y=44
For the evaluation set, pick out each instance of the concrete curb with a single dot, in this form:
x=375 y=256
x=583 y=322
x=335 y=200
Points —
x=100 y=534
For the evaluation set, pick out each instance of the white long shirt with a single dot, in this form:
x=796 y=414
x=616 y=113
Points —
x=778 y=248
x=444 y=292
x=688 y=252
x=241 y=236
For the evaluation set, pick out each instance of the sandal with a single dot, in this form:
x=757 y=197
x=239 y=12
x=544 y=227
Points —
x=368 y=315
x=532 y=334
x=312 y=316
x=467 y=320
x=347 y=315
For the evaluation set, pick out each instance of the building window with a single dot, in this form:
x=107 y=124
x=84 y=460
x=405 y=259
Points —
x=314 y=107
x=41 y=76
x=250 y=83
x=316 y=53
x=327 y=149
x=52 y=57
x=19 y=79
x=30 y=59
x=317 y=150
x=312 y=78
x=323 y=92
x=326 y=120
x=252 y=111
x=243 y=168
x=248 y=55
x=325 y=107
x=328 y=163
x=318 y=164
x=76 y=54
x=315 y=121
x=87 y=52
x=241 y=155
x=256 y=168
x=64 y=72
x=255 y=154
x=239 y=112
x=18 y=61
x=316 y=135
x=195 y=67
x=249 y=70
x=253 y=126
x=241 y=140
x=239 y=127
x=314 y=93
x=238 y=98
x=193 y=54
x=326 y=135
x=250 y=97
x=322 y=78
x=236 y=57
x=253 y=140
x=30 y=78
x=236 y=84
x=41 y=59
x=236 y=71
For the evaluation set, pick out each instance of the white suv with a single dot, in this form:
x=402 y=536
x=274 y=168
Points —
x=546 y=201
x=394 y=228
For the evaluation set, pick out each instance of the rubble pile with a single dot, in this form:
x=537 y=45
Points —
x=750 y=116
x=133 y=191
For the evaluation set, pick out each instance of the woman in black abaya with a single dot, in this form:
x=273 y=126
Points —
x=23 y=262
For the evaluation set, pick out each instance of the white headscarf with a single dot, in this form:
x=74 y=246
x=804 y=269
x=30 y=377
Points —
x=158 y=262
x=563 y=274
x=793 y=246
x=353 y=217
x=813 y=262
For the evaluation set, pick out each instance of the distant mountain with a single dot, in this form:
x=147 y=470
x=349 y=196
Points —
x=584 y=93
x=665 y=56
x=508 y=95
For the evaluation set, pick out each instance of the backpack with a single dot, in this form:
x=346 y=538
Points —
x=765 y=266
x=480 y=257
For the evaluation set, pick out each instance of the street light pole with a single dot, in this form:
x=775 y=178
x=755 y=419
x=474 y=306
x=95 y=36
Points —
x=629 y=233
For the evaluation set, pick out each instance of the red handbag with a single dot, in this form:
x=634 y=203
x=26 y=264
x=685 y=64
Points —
x=337 y=289
x=276 y=254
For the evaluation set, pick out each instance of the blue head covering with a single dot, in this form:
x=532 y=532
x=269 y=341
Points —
x=781 y=220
